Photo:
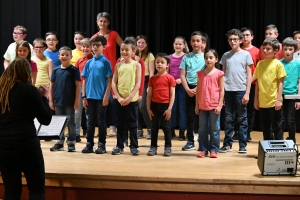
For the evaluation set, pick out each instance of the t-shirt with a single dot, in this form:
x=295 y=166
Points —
x=174 y=69
x=126 y=79
x=53 y=55
x=96 y=72
x=297 y=55
x=208 y=89
x=149 y=58
x=76 y=54
x=161 y=87
x=64 y=91
x=278 y=56
x=10 y=53
x=81 y=63
x=192 y=63
x=33 y=66
x=42 y=77
x=292 y=69
x=268 y=72
x=236 y=69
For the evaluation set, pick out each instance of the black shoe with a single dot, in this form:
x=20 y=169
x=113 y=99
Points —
x=242 y=150
x=181 y=135
x=225 y=148
x=173 y=132
x=249 y=139
x=88 y=148
x=235 y=136
x=139 y=134
x=57 y=147
x=71 y=147
x=78 y=138
x=101 y=148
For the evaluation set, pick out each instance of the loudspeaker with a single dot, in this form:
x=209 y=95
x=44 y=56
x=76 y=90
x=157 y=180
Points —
x=277 y=157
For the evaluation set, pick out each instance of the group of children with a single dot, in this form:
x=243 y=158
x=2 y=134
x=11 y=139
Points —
x=195 y=84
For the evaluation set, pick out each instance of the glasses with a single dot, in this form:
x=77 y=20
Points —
x=39 y=47
x=96 y=45
x=18 y=34
x=51 y=40
x=247 y=35
x=233 y=39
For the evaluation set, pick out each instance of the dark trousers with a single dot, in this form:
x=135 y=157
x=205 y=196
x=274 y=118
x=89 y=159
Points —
x=271 y=120
x=192 y=120
x=96 y=114
x=30 y=161
x=159 y=120
x=126 y=120
x=288 y=114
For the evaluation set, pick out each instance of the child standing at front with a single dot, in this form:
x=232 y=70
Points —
x=77 y=52
x=64 y=96
x=160 y=100
x=52 y=52
x=269 y=74
x=290 y=85
x=96 y=87
x=190 y=64
x=209 y=98
x=237 y=68
x=126 y=83
x=296 y=36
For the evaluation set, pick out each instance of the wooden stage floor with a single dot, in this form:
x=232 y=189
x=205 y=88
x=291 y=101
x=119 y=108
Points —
x=182 y=172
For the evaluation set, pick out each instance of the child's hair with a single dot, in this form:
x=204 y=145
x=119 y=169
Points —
x=65 y=48
x=290 y=42
x=86 y=41
x=40 y=40
x=21 y=28
x=295 y=32
x=133 y=40
x=17 y=70
x=130 y=41
x=145 y=52
x=246 y=29
x=197 y=33
x=52 y=33
x=186 y=47
x=213 y=51
x=104 y=14
x=206 y=40
x=163 y=55
x=82 y=33
x=274 y=43
x=101 y=39
x=24 y=44
x=272 y=27
x=236 y=32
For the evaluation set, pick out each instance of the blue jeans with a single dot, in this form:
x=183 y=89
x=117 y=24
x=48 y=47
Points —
x=271 y=122
x=179 y=104
x=209 y=123
x=234 y=106
x=143 y=107
x=192 y=120
x=69 y=111
x=96 y=113
x=78 y=113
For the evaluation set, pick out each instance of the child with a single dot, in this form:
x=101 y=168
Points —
x=237 y=68
x=271 y=31
x=296 y=36
x=269 y=74
x=190 y=64
x=44 y=64
x=181 y=48
x=160 y=100
x=77 y=52
x=19 y=34
x=80 y=119
x=209 y=98
x=144 y=53
x=290 y=85
x=52 y=52
x=64 y=96
x=126 y=83
x=97 y=76
x=23 y=51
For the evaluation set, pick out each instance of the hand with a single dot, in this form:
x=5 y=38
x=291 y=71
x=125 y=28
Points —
x=150 y=113
x=178 y=81
x=51 y=104
x=191 y=92
x=105 y=101
x=167 y=114
x=85 y=103
x=126 y=101
x=297 y=105
x=218 y=110
x=140 y=98
x=197 y=110
x=256 y=104
x=277 y=105
x=44 y=90
x=120 y=100
x=245 y=99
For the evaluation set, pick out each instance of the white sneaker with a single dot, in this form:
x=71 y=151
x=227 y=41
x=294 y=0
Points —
x=196 y=136
x=112 y=131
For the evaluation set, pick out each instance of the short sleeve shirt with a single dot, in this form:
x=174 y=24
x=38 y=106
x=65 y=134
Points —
x=292 y=69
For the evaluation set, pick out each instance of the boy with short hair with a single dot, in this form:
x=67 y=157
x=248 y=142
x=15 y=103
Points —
x=97 y=79
x=19 y=34
x=290 y=85
x=268 y=96
x=237 y=68
x=77 y=52
x=296 y=36
x=64 y=96
x=271 y=31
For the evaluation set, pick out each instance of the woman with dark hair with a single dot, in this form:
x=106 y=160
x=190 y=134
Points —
x=20 y=150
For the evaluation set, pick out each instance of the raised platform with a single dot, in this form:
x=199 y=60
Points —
x=182 y=173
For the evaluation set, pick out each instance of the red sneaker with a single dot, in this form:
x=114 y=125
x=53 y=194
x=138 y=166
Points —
x=201 y=154
x=213 y=154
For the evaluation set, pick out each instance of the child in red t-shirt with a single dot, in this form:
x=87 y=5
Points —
x=160 y=100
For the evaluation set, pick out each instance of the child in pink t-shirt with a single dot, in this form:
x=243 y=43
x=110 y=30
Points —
x=209 y=102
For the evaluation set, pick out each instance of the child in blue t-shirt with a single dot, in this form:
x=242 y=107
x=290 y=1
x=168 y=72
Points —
x=52 y=52
x=64 y=96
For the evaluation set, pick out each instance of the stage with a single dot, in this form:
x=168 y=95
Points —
x=182 y=176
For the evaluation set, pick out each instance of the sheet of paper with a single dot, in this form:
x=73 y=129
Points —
x=54 y=128
x=36 y=124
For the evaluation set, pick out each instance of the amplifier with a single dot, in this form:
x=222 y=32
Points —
x=277 y=157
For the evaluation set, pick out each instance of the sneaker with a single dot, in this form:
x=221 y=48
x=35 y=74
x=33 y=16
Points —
x=139 y=134
x=78 y=138
x=202 y=154
x=71 y=147
x=242 y=150
x=148 y=137
x=57 y=147
x=196 y=136
x=88 y=148
x=225 y=148
x=152 y=151
x=101 y=148
x=168 y=151
x=117 y=151
x=134 y=151
x=213 y=154
x=181 y=135
x=189 y=146
x=235 y=136
x=112 y=131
